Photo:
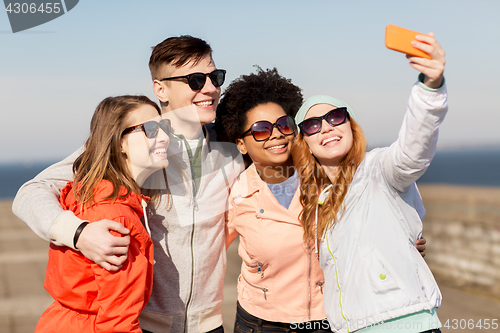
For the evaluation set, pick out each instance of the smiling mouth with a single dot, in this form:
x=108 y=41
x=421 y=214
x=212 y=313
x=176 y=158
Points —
x=327 y=140
x=277 y=147
x=204 y=103
x=160 y=151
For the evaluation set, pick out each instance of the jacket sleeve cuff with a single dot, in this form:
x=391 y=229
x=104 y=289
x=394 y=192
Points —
x=421 y=78
x=64 y=229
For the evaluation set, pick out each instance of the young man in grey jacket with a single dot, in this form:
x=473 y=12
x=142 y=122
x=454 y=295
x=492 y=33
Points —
x=187 y=226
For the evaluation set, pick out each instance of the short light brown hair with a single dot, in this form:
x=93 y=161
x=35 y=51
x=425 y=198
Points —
x=177 y=51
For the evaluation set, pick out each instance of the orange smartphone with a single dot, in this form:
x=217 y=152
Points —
x=399 y=39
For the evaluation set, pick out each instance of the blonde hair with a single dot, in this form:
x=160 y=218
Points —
x=313 y=179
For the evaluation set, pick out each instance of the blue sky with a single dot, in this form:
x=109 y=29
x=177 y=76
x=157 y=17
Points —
x=53 y=76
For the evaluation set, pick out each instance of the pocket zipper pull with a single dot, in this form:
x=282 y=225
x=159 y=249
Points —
x=259 y=270
x=265 y=290
x=320 y=285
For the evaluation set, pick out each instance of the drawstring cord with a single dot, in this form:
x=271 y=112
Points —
x=146 y=223
x=322 y=196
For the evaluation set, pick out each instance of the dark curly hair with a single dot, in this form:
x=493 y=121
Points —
x=249 y=91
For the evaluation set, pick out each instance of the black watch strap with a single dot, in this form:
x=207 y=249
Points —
x=78 y=232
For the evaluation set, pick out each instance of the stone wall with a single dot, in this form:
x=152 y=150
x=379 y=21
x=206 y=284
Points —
x=462 y=227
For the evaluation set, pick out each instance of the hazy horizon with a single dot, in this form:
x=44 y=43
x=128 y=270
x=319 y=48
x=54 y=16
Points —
x=54 y=75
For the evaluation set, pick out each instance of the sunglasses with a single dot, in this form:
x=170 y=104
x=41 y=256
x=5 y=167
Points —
x=334 y=118
x=150 y=128
x=197 y=81
x=262 y=130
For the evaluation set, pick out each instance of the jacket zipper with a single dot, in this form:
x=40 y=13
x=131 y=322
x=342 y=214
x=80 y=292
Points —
x=338 y=283
x=259 y=269
x=261 y=288
x=195 y=207
x=309 y=284
x=192 y=271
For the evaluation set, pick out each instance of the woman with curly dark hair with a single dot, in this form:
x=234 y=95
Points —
x=281 y=284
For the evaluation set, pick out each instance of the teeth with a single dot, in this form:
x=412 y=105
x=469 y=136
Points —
x=206 y=103
x=333 y=138
x=160 y=151
x=276 y=147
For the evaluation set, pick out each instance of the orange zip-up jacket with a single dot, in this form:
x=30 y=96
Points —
x=87 y=297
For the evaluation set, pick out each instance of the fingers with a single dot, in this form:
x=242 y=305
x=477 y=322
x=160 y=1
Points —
x=111 y=263
x=421 y=241
x=421 y=249
x=110 y=268
x=428 y=39
x=429 y=45
x=433 y=69
x=118 y=227
x=420 y=246
x=116 y=261
x=121 y=249
x=98 y=245
x=421 y=62
x=117 y=241
x=432 y=75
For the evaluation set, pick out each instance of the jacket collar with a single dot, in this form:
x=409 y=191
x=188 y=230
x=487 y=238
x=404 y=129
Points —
x=178 y=147
x=250 y=184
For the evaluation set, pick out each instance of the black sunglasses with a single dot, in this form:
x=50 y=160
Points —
x=262 y=130
x=150 y=128
x=334 y=117
x=197 y=81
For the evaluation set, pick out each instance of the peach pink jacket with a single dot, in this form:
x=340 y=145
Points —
x=280 y=276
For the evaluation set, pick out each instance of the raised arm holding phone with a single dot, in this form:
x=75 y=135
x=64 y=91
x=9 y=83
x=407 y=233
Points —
x=366 y=211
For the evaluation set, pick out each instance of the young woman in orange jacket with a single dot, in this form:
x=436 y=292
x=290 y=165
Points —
x=128 y=141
